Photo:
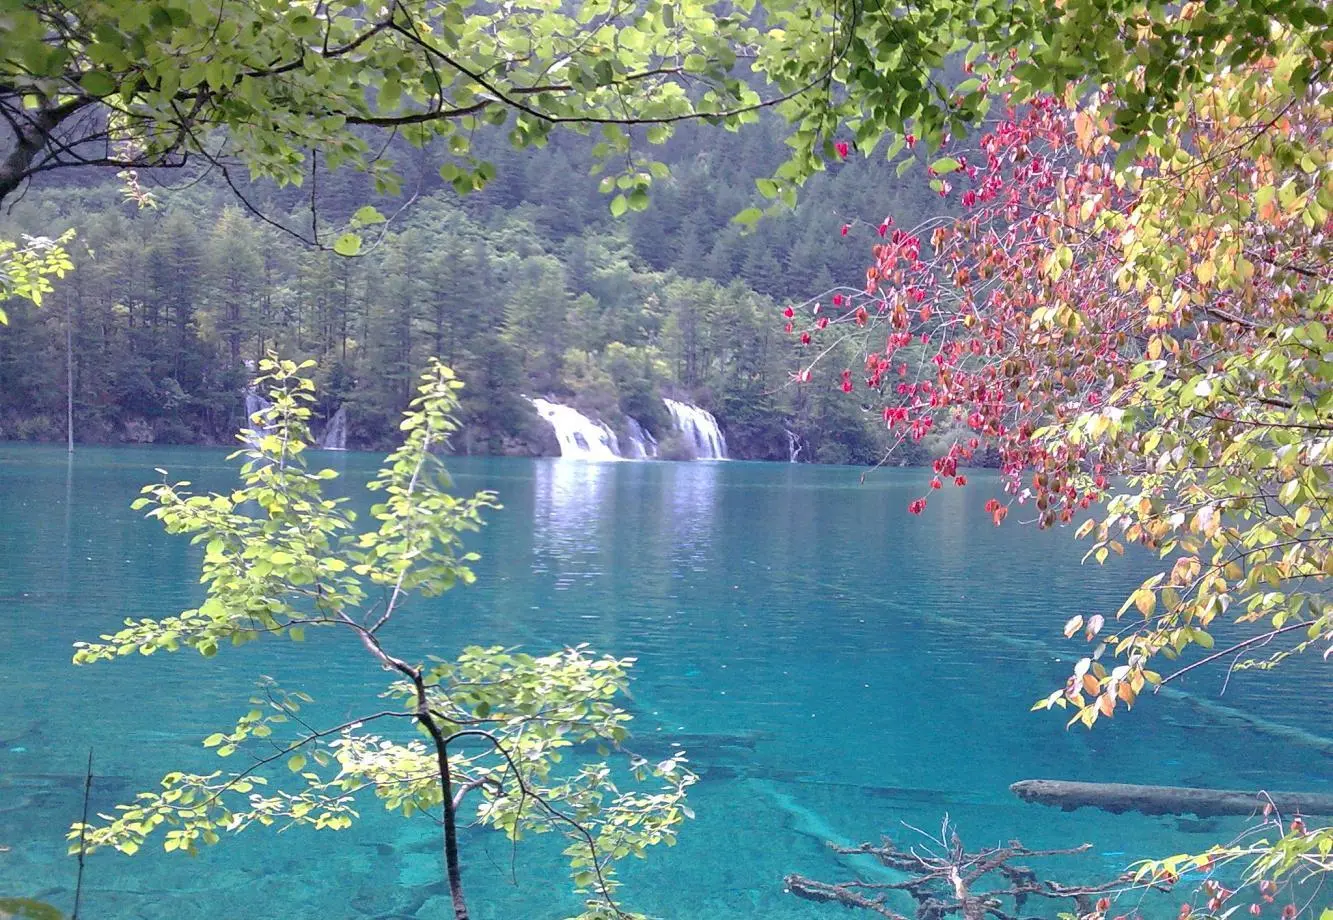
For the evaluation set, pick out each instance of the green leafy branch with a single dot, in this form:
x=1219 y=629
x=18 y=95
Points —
x=26 y=270
x=279 y=558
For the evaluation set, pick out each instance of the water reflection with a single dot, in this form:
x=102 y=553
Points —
x=833 y=665
x=571 y=500
x=691 y=496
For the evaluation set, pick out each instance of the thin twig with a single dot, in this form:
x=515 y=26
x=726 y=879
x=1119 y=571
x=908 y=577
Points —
x=83 y=835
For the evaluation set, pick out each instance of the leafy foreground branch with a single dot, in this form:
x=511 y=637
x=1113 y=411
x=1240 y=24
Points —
x=26 y=270
x=945 y=880
x=280 y=558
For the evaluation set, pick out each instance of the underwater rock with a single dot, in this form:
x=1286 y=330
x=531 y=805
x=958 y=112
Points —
x=416 y=870
x=27 y=909
x=1197 y=825
x=15 y=740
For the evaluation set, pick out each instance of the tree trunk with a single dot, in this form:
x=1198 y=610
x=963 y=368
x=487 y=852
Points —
x=69 y=376
x=1167 y=800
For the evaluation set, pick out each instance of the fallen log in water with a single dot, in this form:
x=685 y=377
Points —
x=1118 y=798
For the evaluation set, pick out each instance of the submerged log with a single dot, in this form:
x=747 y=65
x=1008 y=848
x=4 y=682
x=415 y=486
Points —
x=1118 y=798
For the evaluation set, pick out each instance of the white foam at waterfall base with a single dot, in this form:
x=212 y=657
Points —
x=579 y=436
x=700 y=430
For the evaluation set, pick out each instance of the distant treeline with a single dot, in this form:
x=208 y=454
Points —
x=527 y=287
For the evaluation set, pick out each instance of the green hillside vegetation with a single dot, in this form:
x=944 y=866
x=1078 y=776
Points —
x=529 y=287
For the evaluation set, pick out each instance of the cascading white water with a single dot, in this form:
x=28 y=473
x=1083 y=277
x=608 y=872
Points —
x=334 y=436
x=579 y=436
x=700 y=430
x=642 y=445
x=794 y=445
x=254 y=403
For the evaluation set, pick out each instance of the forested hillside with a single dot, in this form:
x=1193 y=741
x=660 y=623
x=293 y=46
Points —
x=527 y=287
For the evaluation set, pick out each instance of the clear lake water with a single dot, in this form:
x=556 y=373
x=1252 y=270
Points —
x=835 y=668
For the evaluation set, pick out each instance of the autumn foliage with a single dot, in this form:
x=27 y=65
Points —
x=1010 y=307
x=1142 y=337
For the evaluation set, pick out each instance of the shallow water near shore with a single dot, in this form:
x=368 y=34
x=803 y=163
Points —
x=835 y=668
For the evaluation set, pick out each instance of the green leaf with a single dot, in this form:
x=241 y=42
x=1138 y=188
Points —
x=367 y=215
x=97 y=83
x=619 y=205
x=748 y=216
x=945 y=165
x=349 y=244
x=296 y=762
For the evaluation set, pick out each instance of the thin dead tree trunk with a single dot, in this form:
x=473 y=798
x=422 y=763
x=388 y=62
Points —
x=69 y=376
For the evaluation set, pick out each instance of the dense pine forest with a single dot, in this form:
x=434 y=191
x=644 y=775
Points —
x=529 y=286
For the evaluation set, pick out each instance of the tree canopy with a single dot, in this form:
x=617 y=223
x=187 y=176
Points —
x=272 y=88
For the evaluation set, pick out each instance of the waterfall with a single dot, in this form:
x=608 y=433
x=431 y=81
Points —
x=579 y=436
x=700 y=430
x=643 y=446
x=254 y=404
x=334 y=436
x=794 y=445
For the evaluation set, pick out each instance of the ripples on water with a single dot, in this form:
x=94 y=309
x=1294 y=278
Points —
x=834 y=666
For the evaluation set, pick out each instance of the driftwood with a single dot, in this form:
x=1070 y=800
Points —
x=945 y=880
x=1168 y=800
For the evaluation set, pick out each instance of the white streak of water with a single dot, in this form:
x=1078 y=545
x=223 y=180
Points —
x=700 y=430
x=579 y=436
x=334 y=436
x=254 y=404
x=642 y=445
x=794 y=445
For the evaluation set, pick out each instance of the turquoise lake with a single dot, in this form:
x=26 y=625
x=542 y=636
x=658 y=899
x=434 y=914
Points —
x=834 y=667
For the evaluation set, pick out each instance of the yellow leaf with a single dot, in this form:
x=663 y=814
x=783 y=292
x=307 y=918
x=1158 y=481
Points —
x=1083 y=128
x=1145 y=600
